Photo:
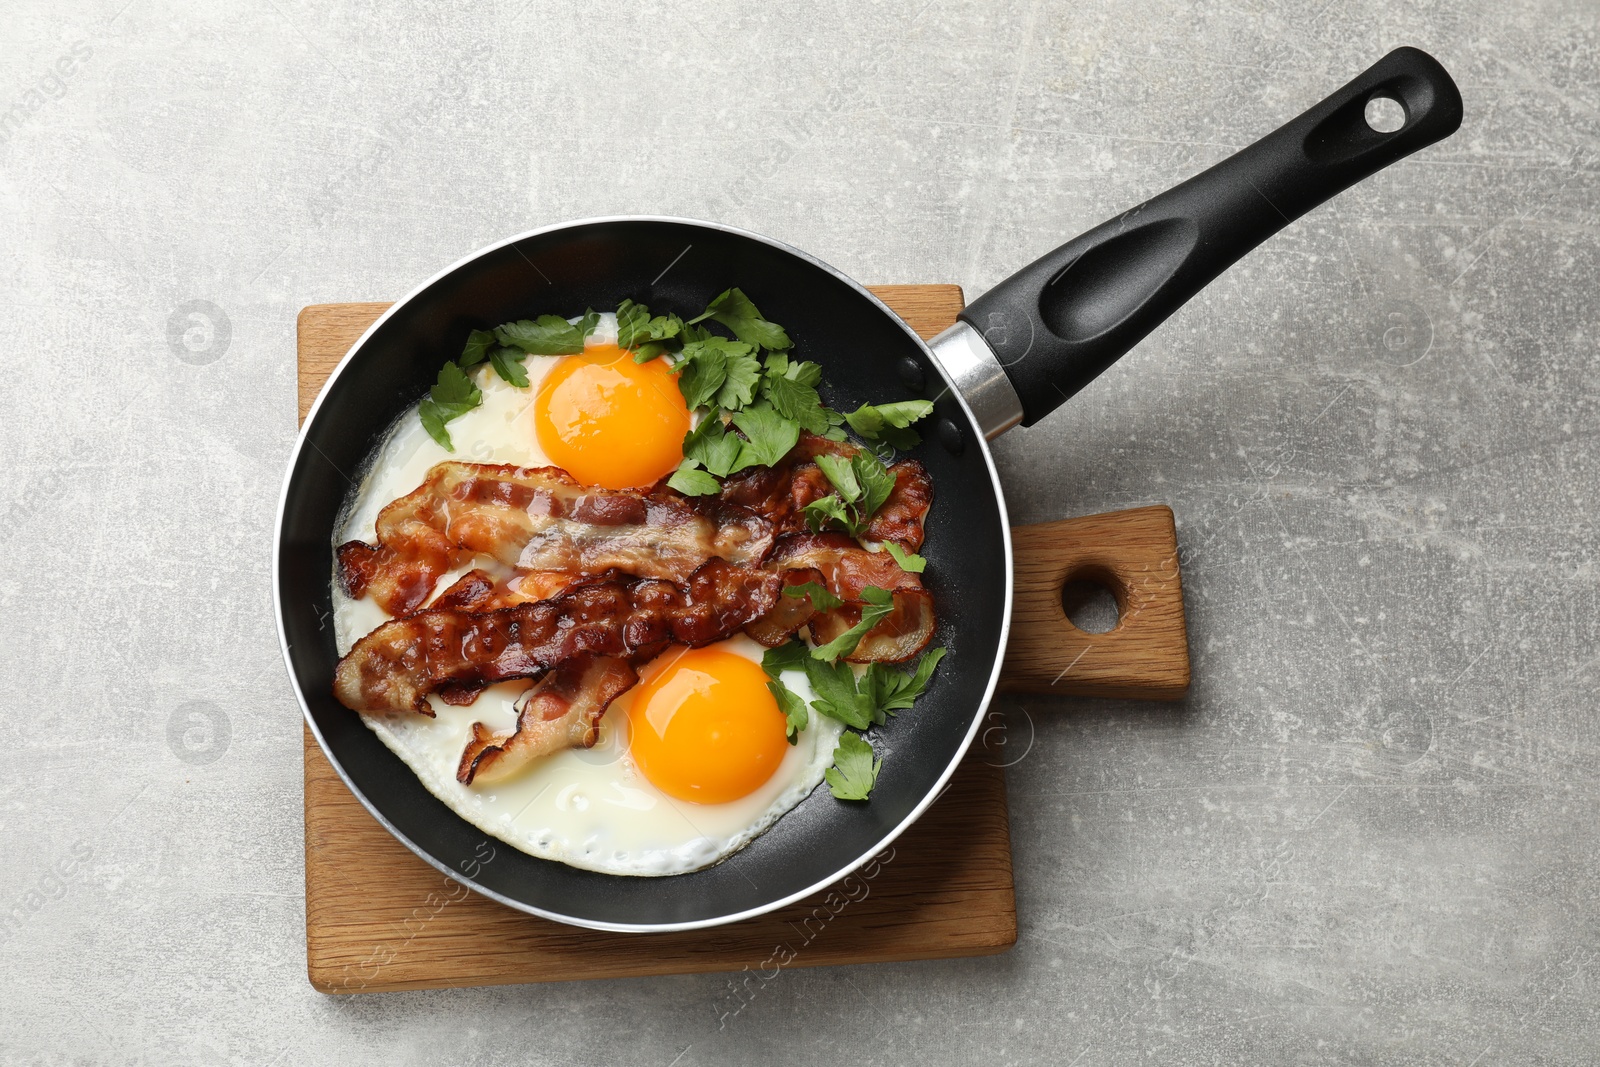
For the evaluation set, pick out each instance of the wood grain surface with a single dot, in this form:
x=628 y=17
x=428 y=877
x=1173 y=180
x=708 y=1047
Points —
x=1132 y=553
x=378 y=918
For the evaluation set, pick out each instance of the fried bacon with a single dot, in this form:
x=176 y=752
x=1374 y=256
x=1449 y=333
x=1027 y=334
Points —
x=789 y=613
x=478 y=591
x=905 y=632
x=562 y=710
x=475 y=590
x=845 y=566
x=592 y=583
x=397 y=665
x=779 y=494
x=846 y=570
x=540 y=519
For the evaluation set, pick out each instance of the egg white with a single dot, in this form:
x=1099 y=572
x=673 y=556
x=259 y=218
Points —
x=590 y=808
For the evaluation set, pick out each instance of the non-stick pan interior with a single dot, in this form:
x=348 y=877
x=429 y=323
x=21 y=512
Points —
x=678 y=266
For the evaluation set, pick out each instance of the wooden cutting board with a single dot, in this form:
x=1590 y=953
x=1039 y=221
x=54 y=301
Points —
x=378 y=918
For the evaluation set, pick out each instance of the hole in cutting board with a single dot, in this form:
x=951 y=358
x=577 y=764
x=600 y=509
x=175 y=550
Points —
x=1089 y=597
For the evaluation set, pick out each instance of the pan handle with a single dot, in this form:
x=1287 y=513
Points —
x=1057 y=324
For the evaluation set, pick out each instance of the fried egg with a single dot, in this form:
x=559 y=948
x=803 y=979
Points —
x=585 y=405
x=693 y=762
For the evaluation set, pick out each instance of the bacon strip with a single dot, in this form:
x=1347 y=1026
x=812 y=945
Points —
x=903 y=633
x=779 y=494
x=846 y=569
x=540 y=519
x=561 y=711
x=789 y=613
x=397 y=665
x=478 y=591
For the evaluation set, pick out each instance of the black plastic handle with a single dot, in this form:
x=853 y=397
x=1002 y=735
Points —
x=1058 y=323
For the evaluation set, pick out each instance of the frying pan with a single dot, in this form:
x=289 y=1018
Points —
x=1015 y=355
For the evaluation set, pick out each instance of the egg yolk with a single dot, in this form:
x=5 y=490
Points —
x=706 y=728
x=609 y=421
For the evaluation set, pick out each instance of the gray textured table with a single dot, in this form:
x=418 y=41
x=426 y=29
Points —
x=1369 y=836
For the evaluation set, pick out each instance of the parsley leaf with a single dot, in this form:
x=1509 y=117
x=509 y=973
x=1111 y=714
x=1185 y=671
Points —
x=633 y=324
x=743 y=372
x=738 y=313
x=894 y=690
x=665 y=333
x=454 y=392
x=801 y=372
x=587 y=323
x=909 y=561
x=769 y=435
x=890 y=422
x=702 y=369
x=879 y=603
x=854 y=772
x=791 y=387
x=789 y=656
x=477 y=348
x=717 y=370
x=817 y=593
x=712 y=447
x=880 y=692
x=841 y=472
x=863 y=482
x=453 y=395
x=693 y=482
x=828 y=509
x=433 y=421
x=836 y=694
x=548 y=335
x=507 y=363
x=876 y=484
x=795 y=715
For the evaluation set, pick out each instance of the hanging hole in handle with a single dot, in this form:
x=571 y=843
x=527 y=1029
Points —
x=1384 y=114
x=1092 y=599
x=1360 y=124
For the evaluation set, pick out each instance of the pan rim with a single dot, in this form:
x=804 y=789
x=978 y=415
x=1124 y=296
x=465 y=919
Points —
x=932 y=794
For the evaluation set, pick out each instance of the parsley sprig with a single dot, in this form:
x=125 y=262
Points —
x=710 y=451
x=861 y=483
x=452 y=396
x=854 y=771
x=751 y=382
x=909 y=561
x=890 y=423
x=504 y=348
x=859 y=703
x=819 y=595
x=878 y=603
x=752 y=371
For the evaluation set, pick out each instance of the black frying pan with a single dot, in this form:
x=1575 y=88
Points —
x=1020 y=351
